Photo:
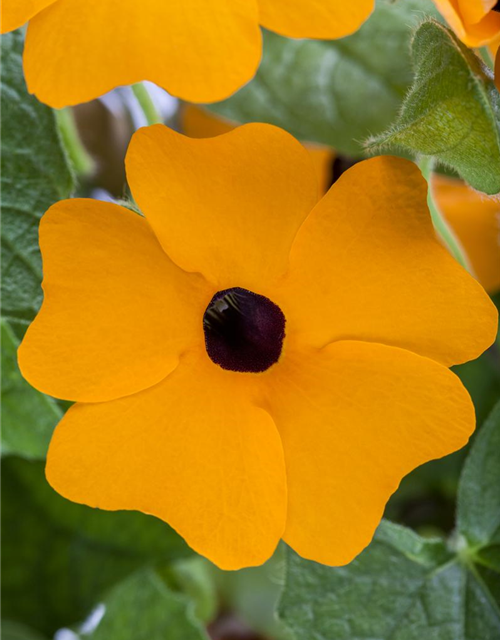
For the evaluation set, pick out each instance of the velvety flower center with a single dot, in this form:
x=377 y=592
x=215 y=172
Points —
x=496 y=7
x=244 y=331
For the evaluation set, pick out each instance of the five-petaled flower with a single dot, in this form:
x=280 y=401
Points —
x=249 y=363
x=476 y=22
x=199 y=50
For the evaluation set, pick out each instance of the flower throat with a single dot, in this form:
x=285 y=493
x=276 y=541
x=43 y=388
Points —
x=244 y=331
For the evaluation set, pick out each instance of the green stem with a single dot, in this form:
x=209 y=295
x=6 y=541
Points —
x=486 y=56
x=80 y=158
x=146 y=103
x=442 y=227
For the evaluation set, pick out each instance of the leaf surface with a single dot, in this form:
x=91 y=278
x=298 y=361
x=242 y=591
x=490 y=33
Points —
x=452 y=111
x=334 y=92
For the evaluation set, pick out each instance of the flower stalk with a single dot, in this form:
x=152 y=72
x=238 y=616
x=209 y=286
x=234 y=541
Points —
x=146 y=103
x=442 y=227
x=80 y=158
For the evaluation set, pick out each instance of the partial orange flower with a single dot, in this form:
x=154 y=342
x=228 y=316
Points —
x=249 y=362
x=200 y=123
x=475 y=219
x=200 y=50
x=476 y=22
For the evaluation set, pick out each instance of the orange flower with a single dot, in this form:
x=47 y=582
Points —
x=476 y=22
x=200 y=50
x=249 y=363
x=475 y=218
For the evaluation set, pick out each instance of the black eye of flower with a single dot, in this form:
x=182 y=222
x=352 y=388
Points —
x=244 y=331
x=496 y=7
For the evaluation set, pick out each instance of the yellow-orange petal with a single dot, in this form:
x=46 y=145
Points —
x=354 y=418
x=117 y=312
x=200 y=50
x=200 y=123
x=228 y=207
x=474 y=10
x=475 y=218
x=322 y=19
x=367 y=265
x=473 y=34
x=15 y=13
x=193 y=451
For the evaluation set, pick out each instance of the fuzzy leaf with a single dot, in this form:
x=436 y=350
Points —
x=338 y=92
x=452 y=111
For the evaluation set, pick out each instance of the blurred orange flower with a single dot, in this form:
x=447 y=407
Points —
x=475 y=219
x=476 y=22
x=200 y=50
x=249 y=363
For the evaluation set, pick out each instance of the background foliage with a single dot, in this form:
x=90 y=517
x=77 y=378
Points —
x=403 y=84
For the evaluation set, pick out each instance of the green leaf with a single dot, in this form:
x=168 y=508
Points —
x=34 y=174
x=28 y=417
x=452 y=111
x=58 y=558
x=338 y=92
x=142 y=607
x=404 y=587
x=478 y=512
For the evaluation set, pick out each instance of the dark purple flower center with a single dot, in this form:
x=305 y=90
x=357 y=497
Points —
x=496 y=7
x=243 y=330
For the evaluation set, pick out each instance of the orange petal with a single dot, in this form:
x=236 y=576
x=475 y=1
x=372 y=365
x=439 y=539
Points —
x=475 y=219
x=200 y=123
x=473 y=34
x=228 y=207
x=314 y=18
x=193 y=451
x=474 y=10
x=117 y=313
x=200 y=50
x=354 y=418
x=366 y=265
x=15 y=13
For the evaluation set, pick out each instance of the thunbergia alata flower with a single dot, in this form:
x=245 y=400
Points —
x=250 y=362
